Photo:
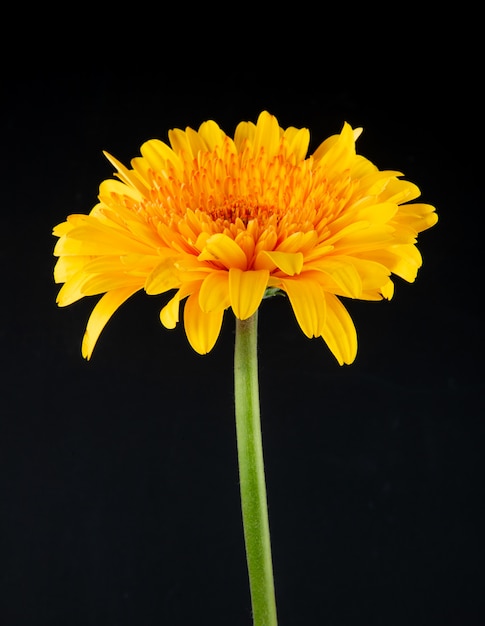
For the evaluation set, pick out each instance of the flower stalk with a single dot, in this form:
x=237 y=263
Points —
x=251 y=473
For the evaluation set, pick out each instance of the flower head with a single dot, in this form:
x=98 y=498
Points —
x=218 y=221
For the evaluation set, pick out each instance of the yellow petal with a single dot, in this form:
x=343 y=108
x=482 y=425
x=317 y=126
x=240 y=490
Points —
x=143 y=169
x=158 y=154
x=267 y=134
x=298 y=242
x=298 y=140
x=196 y=142
x=163 y=277
x=246 y=290
x=244 y=132
x=129 y=177
x=376 y=213
x=91 y=236
x=169 y=315
x=64 y=227
x=118 y=188
x=308 y=303
x=67 y=266
x=372 y=275
x=339 y=331
x=387 y=290
x=290 y=263
x=101 y=283
x=71 y=290
x=407 y=262
x=103 y=310
x=365 y=239
x=247 y=243
x=214 y=292
x=337 y=152
x=180 y=141
x=402 y=260
x=221 y=248
x=202 y=329
x=418 y=216
x=399 y=191
x=343 y=273
x=211 y=134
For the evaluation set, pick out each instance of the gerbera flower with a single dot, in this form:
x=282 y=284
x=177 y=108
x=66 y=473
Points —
x=222 y=221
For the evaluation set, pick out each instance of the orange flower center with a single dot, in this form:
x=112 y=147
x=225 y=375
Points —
x=256 y=193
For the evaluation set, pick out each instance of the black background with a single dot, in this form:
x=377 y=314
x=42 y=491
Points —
x=119 y=489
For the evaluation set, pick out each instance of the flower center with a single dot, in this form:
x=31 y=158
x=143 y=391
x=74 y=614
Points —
x=239 y=210
x=253 y=195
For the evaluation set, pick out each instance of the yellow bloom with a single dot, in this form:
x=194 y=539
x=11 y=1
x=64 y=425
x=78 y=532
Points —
x=219 y=221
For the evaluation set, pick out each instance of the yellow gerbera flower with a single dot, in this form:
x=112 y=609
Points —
x=225 y=221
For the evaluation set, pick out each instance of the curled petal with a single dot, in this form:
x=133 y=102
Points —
x=100 y=315
x=131 y=178
x=290 y=263
x=225 y=250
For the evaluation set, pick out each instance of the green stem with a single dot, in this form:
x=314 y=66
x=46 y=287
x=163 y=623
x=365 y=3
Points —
x=251 y=473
